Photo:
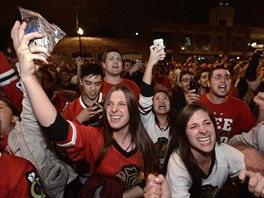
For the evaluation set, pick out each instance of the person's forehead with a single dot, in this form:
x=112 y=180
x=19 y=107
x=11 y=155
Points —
x=127 y=63
x=205 y=73
x=221 y=71
x=186 y=76
x=160 y=93
x=113 y=54
x=118 y=95
x=92 y=77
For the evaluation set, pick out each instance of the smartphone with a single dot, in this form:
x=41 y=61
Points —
x=97 y=107
x=194 y=85
x=159 y=44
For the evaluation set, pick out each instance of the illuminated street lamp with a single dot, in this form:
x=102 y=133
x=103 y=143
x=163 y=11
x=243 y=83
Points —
x=80 y=33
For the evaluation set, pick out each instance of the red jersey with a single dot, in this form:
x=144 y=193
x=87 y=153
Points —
x=86 y=142
x=131 y=84
x=18 y=178
x=232 y=117
x=9 y=82
x=3 y=143
x=59 y=102
x=72 y=110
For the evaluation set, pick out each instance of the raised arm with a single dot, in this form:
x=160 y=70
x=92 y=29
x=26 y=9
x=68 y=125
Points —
x=42 y=107
x=154 y=56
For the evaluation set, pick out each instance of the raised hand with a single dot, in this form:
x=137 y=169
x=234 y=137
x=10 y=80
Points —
x=155 y=55
x=27 y=55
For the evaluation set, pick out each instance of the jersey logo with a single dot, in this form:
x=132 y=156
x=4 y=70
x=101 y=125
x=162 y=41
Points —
x=36 y=188
x=130 y=175
x=209 y=191
x=161 y=147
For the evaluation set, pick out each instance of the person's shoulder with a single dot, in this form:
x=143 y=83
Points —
x=224 y=148
x=15 y=162
x=131 y=82
x=204 y=98
x=21 y=177
x=175 y=157
x=175 y=163
x=75 y=102
x=236 y=100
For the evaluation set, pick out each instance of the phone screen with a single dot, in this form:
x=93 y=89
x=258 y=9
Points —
x=194 y=85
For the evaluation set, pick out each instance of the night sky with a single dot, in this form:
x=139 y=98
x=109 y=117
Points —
x=121 y=17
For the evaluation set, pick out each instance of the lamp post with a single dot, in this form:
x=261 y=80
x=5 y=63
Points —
x=80 y=33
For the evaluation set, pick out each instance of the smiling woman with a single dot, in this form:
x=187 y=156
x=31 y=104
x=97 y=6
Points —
x=98 y=146
x=195 y=156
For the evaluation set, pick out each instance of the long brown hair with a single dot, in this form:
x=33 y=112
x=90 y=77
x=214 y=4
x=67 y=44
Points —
x=179 y=143
x=139 y=134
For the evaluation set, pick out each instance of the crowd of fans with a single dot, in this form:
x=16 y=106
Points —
x=120 y=128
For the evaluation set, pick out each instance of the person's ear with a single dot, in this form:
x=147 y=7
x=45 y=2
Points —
x=14 y=119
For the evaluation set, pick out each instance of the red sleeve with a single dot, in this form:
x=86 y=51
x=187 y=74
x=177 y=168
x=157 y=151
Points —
x=247 y=119
x=67 y=114
x=19 y=178
x=8 y=82
x=83 y=142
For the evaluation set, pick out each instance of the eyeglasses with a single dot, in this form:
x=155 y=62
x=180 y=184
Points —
x=219 y=77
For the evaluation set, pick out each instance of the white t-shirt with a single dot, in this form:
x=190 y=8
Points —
x=148 y=119
x=228 y=162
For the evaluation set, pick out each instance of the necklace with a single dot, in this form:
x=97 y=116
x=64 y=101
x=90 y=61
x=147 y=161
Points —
x=163 y=128
x=128 y=146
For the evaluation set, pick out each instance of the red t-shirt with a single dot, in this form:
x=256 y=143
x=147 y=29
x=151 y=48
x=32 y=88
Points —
x=18 y=178
x=232 y=117
x=131 y=84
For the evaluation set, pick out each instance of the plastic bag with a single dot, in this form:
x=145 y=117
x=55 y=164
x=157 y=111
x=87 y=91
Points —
x=36 y=23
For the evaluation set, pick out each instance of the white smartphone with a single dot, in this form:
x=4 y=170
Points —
x=159 y=44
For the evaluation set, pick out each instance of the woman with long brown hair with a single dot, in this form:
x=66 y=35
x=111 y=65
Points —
x=119 y=154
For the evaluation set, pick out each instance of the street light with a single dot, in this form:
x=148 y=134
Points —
x=80 y=33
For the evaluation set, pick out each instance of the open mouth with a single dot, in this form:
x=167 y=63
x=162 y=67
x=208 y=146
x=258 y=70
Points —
x=115 y=117
x=115 y=66
x=162 y=106
x=204 y=140
x=222 y=87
